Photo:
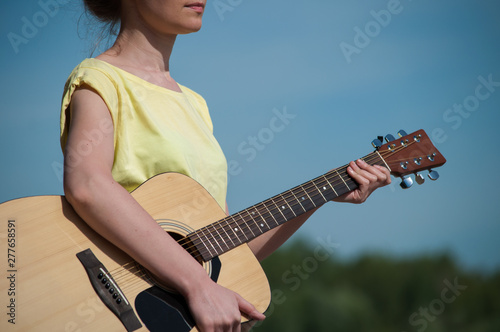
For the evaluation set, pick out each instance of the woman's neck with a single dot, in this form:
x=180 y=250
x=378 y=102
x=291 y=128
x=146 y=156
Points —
x=143 y=54
x=135 y=48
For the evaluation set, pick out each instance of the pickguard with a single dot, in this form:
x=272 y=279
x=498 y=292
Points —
x=161 y=310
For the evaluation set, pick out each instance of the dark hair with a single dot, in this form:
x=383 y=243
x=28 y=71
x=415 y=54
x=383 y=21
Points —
x=106 y=12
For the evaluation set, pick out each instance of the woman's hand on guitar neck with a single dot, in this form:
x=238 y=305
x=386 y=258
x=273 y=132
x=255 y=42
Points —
x=368 y=179
x=216 y=308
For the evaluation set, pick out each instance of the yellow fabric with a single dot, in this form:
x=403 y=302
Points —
x=156 y=130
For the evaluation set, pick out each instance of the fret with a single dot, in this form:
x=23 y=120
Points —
x=214 y=241
x=381 y=161
x=248 y=223
x=298 y=201
x=327 y=190
x=304 y=199
x=239 y=230
x=319 y=190
x=352 y=184
x=220 y=236
x=339 y=186
x=235 y=229
x=343 y=180
x=315 y=194
x=200 y=245
x=326 y=179
x=246 y=227
x=205 y=245
x=279 y=210
x=251 y=214
x=289 y=207
x=261 y=223
x=271 y=214
x=223 y=227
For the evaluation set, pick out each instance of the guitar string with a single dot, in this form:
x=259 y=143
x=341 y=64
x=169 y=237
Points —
x=262 y=208
x=126 y=275
x=283 y=199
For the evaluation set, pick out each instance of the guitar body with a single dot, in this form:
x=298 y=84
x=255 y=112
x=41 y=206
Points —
x=46 y=287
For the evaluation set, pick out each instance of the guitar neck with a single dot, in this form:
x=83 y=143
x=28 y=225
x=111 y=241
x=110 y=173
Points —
x=234 y=230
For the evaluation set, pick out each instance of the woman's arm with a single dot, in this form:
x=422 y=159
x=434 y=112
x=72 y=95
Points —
x=368 y=178
x=110 y=210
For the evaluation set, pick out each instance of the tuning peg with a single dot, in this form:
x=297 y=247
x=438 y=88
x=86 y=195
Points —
x=433 y=175
x=402 y=133
x=377 y=143
x=419 y=178
x=389 y=138
x=406 y=182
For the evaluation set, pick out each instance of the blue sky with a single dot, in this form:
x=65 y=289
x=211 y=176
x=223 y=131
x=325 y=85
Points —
x=343 y=72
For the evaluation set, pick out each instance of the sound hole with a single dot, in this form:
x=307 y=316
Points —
x=188 y=245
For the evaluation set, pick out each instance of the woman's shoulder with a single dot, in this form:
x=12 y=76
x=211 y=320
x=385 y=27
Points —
x=93 y=67
x=193 y=95
x=96 y=74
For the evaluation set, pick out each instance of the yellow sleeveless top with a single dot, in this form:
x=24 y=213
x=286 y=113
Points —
x=156 y=130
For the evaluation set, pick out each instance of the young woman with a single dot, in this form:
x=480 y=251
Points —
x=125 y=119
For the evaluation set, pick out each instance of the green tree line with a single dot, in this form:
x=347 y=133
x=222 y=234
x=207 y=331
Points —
x=313 y=290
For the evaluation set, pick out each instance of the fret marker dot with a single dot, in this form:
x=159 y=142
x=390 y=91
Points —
x=236 y=229
x=324 y=188
x=261 y=225
x=302 y=198
x=283 y=207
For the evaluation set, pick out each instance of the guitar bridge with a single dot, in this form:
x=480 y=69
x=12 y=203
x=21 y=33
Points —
x=108 y=291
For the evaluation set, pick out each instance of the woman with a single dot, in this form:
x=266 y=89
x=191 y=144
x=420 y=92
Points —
x=125 y=119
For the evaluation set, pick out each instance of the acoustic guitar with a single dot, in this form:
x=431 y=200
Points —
x=60 y=275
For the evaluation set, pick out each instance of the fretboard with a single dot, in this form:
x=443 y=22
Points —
x=234 y=230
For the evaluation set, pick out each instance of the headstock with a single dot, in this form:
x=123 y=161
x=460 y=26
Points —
x=410 y=154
